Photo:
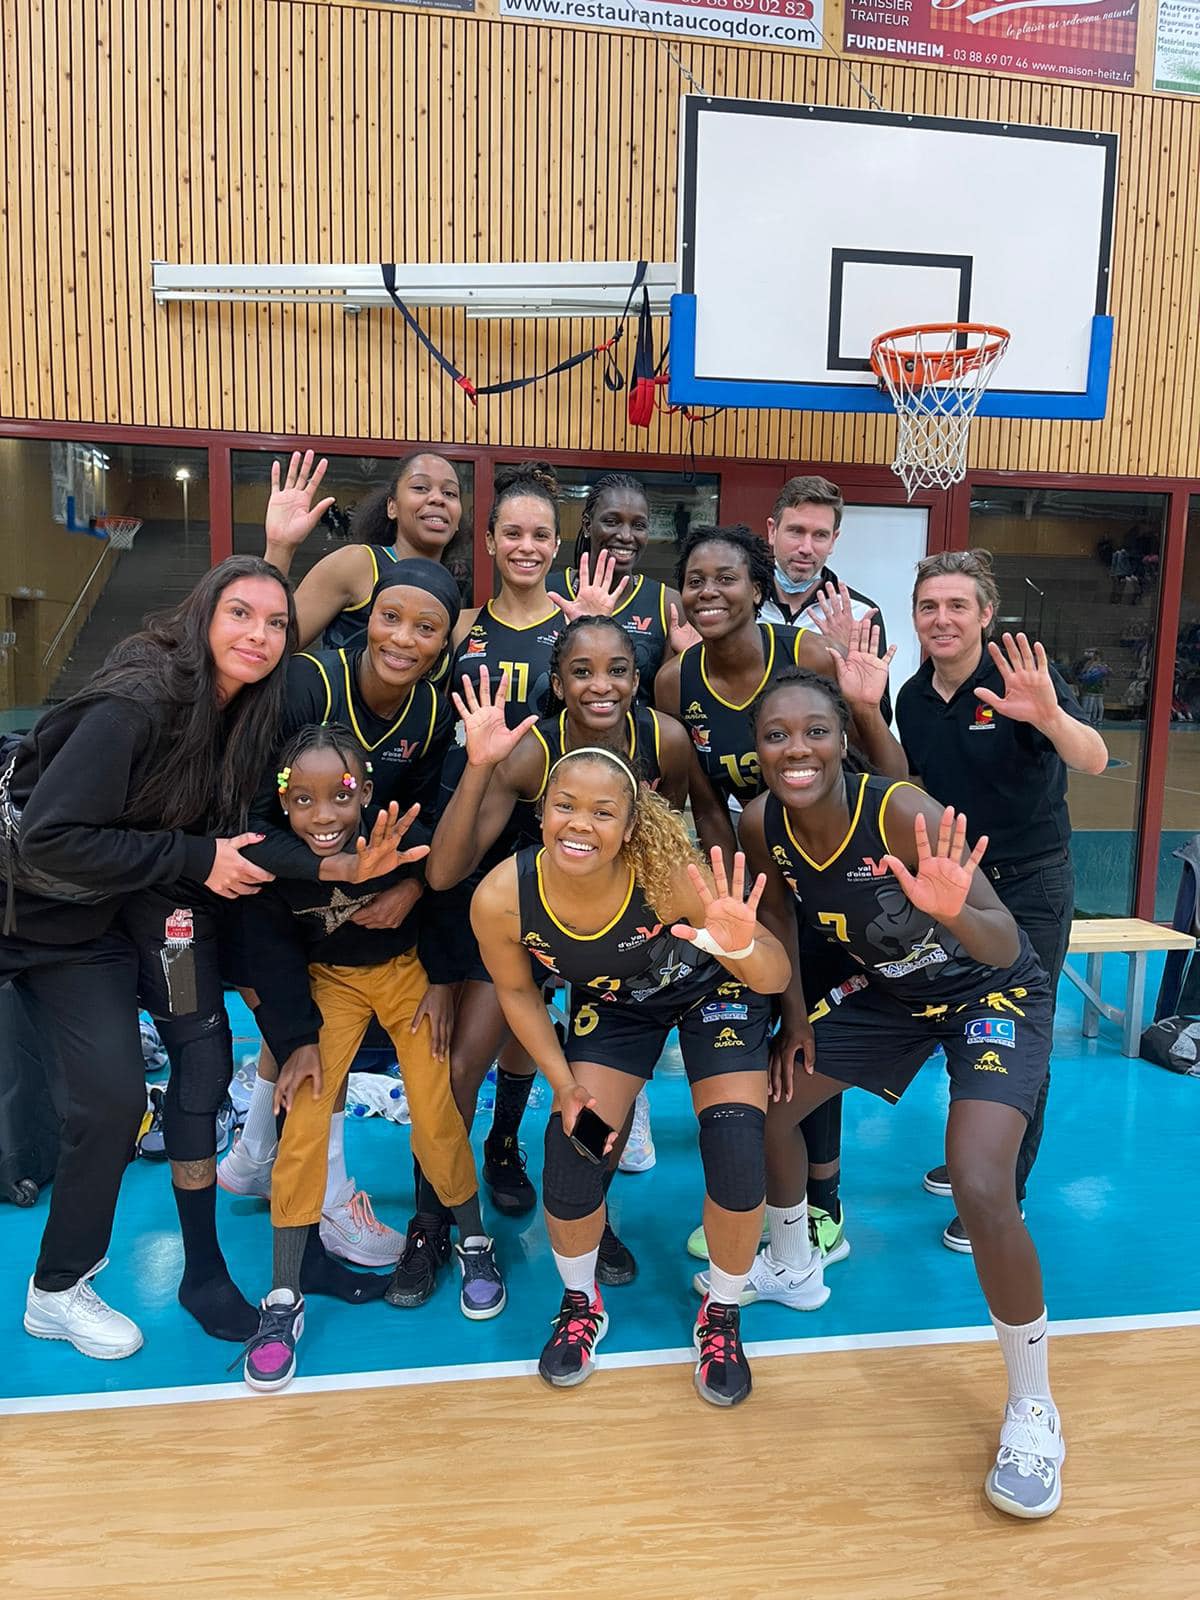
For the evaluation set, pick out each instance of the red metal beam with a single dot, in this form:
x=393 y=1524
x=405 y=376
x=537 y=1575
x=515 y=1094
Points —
x=1162 y=681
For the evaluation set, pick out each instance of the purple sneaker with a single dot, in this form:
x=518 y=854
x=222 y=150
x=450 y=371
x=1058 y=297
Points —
x=482 y=1293
x=270 y=1361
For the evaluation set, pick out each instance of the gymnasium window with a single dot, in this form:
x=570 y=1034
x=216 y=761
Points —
x=1078 y=569
x=1181 y=802
x=68 y=594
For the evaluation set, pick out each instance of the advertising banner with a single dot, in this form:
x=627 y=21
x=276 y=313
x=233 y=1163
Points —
x=771 y=22
x=1177 y=47
x=1083 y=41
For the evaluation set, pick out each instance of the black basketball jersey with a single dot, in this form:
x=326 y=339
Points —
x=524 y=653
x=721 y=731
x=632 y=959
x=406 y=751
x=858 y=905
x=642 y=612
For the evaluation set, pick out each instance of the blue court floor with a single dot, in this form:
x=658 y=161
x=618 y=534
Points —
x=1113 y=1209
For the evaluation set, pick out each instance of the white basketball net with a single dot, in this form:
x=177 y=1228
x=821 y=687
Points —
x=936 y=377
x=120 y=531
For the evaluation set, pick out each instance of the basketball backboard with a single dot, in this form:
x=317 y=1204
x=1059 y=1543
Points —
x=806 y=230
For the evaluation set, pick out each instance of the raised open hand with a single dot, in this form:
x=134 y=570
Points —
x=594 y=596
x=729 y=916
x=291 y=515
x=487 y=736
x=1028 y=687
x=381 y=852
x=862 y=673
x=833 y=614
x=943 y=876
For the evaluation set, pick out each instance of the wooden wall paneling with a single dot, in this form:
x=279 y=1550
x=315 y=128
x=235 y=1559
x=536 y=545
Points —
x=53 y=330
x=11 y=402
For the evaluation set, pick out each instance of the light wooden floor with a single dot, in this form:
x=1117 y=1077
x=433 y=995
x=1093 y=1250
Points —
x=854 y=1476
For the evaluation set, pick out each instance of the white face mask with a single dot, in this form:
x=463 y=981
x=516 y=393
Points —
x=789 y=585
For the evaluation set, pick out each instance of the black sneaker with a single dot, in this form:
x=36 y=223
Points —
x=937 y=1181
x=578 y=1328
x=955 y=1237
x=722 y=1373
x=504 y=1174
x=615 y=1264
x=415 y=1277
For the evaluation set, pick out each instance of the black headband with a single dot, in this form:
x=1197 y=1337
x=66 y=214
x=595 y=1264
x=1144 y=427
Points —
x=415 y=572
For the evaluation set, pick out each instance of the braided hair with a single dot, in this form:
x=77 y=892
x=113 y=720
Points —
x=753 y=550
x=324 y=736
x=622 y=482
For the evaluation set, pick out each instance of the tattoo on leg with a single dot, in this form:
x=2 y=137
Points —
x=194 y=1174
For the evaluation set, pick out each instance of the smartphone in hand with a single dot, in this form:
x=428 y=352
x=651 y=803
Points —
x=590 y=1135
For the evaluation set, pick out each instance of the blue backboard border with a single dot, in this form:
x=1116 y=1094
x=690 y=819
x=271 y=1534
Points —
x=687 y=389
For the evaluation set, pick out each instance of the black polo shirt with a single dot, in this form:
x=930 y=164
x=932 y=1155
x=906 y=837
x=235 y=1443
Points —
x=1005 y=775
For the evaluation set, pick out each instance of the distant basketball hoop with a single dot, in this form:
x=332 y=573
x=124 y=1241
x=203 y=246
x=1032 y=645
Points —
x=936 y=374
x=119 y=531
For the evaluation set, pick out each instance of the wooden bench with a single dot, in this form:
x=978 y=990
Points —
x=1097 y=937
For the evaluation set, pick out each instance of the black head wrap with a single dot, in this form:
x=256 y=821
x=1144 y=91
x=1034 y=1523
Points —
x=415 y=572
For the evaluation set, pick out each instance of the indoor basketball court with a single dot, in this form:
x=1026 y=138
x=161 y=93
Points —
x=966 y=298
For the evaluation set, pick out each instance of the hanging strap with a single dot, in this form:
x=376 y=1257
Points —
x=612 y=377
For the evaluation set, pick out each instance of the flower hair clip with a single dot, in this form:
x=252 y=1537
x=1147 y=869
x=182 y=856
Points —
x=282 y=778
x=349 y=781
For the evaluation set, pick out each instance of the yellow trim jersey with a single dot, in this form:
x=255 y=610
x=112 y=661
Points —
x=524 y=653
x=857 y=904
x=642 y=612
x=720 y=730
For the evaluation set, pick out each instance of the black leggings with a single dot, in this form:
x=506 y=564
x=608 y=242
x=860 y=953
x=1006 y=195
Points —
x=86 y=999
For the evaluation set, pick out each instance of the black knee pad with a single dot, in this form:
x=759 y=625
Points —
x=572 y=1186
x=735 y=1163
x=201 y=1052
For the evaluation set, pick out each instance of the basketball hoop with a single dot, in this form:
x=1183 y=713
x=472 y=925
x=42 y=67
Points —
x=936 y=375
x=119 y=531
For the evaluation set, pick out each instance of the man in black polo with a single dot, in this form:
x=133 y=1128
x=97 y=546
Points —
x=994 y=739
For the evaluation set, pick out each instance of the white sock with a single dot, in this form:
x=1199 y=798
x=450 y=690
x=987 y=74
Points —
x=1027 y=1358
x=724 y=1287
x=259 y=1138
x=578 y=1272
x=336 y=1176
x=790 y=1244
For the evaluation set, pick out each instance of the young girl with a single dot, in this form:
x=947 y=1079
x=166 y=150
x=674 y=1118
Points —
x=131 y=802
x=597 y=904
x=616 y=523
x=940 y=961
x=416 y=514
x=314 y=1007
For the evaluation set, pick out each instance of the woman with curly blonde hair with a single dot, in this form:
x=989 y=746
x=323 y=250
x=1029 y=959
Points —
x=615 y=902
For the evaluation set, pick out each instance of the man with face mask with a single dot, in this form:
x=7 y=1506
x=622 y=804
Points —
x=802 y=531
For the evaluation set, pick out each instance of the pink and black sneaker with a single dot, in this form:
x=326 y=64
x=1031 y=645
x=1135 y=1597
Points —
x=270 y=1360
x=578 y=1328
x=722 y=1372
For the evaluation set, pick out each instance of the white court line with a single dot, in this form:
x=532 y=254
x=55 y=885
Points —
x=405 y=1378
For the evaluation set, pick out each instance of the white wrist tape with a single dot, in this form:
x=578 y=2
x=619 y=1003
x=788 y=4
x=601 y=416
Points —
x=705 y=941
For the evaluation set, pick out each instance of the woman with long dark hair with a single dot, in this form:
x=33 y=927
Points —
x=125 y=810
x=416 y=513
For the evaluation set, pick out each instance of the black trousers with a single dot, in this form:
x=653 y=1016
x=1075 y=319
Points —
x=1042 y=902
x=87 y=998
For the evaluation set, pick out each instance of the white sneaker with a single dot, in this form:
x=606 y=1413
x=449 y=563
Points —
x=240 y=1173
x=638 y=1154
x=1026 y=1480
x=80 y=1316
x=350 y=1229
x=800 y=1289
x=701 y=1285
